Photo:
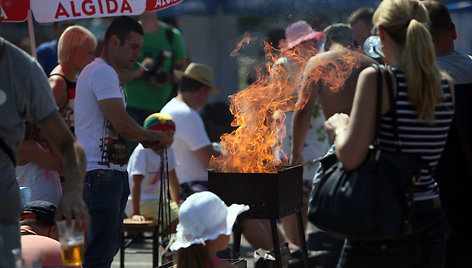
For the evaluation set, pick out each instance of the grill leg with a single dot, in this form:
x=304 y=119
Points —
x=155 y=246
x=237 y=230
x=301 y=231
x=275 y=241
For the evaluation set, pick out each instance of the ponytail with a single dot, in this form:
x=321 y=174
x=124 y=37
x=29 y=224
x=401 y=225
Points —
x=406 y=22
x=423 y=77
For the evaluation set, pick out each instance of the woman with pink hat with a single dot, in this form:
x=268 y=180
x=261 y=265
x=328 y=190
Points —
x=301 y=45
x=204 y=229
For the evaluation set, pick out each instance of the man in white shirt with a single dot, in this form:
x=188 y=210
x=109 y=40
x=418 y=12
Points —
x=101 y=126
x=192 y=146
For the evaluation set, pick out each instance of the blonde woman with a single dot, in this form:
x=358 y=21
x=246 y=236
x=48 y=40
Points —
x=76 y=49
x=424 y=107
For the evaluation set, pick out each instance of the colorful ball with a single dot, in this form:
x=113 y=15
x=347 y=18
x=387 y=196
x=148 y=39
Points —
x=158 y=121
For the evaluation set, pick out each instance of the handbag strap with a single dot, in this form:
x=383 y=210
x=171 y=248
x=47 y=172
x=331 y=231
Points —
x=378 y=106
x=380 y=69
x=393 y=110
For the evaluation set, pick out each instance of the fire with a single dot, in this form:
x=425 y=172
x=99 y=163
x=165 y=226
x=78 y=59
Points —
x=259 y=110
x=245 y=41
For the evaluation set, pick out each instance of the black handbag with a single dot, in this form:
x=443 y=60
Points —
x=374 y=201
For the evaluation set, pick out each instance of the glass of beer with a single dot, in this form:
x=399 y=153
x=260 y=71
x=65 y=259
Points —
x=72 y=244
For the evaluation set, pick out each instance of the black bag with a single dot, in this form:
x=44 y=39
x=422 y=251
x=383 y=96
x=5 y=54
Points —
x=374 y=201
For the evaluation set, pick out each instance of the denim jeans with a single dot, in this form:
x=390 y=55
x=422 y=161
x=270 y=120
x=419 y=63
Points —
x=105 y=193
x=426 y=247
x=9 y=239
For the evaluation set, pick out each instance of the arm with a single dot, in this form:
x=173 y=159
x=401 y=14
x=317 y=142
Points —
x=30 y=152
x=302 y=116
x=174 y=186
x=205 y=153
x=59 y=90
x=136 y=194
x=74 y=164
x=115 y=112
x=354 y=134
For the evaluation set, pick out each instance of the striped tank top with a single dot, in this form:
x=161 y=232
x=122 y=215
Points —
x=417 y=136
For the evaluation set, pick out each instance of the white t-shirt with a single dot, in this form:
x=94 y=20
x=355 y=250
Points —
x=315 y=145
x=45 y=184
x=190 y=135
x=104 y=148
x=144 y=161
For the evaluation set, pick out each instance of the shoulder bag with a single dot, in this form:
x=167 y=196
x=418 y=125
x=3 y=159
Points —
x=374 y=201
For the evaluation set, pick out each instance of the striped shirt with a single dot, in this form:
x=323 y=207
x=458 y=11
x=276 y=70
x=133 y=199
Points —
x=417 y=136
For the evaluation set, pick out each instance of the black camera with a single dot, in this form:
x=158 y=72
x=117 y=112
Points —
x=157 y=70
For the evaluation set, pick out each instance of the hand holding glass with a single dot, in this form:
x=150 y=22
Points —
x=72 y=243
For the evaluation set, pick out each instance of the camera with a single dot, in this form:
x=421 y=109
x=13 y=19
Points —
x=157 y=70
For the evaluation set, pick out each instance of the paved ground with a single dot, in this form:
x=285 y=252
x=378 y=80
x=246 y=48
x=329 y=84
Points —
x=139 y=255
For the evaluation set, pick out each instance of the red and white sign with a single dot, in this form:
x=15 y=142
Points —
x=152 y=5
x=15 y=10
x=57 y=10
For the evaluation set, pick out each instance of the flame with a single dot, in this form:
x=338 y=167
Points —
x=259 y=110
x=245 y=41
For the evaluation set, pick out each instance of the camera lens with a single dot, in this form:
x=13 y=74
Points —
x=161 y=76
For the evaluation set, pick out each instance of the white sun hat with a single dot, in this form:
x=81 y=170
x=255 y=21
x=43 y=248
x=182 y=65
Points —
x=204 y=216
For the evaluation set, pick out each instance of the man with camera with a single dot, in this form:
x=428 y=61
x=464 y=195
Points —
x=149 y=86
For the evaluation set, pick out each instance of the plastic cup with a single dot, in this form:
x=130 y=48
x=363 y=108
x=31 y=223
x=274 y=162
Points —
x=29 y=258
x=72 y=244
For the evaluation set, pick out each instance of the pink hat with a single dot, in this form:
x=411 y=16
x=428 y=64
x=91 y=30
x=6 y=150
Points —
x=300 y=31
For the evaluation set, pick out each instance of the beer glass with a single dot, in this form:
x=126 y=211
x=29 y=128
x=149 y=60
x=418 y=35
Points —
x=72 y=243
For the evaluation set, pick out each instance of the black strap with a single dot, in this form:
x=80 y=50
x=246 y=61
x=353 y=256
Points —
x=7 y=150
x=378 y=110
x=67 y=88
x=393 y=111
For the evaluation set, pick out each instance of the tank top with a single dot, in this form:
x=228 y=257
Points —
x=426 y=139
x=67 y=111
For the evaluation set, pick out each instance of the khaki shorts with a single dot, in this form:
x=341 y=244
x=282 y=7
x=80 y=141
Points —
x=151 y=209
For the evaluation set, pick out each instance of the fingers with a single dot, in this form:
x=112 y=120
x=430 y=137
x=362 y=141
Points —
x=138 y=218
x=73 y=208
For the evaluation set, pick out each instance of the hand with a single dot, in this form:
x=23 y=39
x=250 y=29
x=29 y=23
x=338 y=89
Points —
x=336 y=122
x=148 y=63
x=296 y=159
x=159 y=140
x=138 y=218
x=72 y=206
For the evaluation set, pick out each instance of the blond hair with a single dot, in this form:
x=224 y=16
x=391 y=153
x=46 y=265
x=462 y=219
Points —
x=73 y=36
x=406 y=22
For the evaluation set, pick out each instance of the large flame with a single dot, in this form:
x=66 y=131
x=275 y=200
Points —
x=250 y=148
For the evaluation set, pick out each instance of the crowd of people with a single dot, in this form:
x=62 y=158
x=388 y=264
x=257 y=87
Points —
x=93 y=138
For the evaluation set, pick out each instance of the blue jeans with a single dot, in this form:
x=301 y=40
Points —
x=426 y=247
x=105 y=193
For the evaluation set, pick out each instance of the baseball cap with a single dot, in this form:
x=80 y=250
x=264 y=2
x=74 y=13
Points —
x=42 y=211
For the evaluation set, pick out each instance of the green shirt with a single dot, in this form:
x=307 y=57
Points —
x=140 y=93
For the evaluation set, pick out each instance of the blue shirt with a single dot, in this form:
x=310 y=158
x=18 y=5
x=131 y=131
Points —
x=47 y=56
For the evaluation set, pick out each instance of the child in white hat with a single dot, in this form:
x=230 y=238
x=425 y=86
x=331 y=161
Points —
x=204 y=228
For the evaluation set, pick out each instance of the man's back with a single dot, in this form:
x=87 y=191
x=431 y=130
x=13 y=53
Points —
x=47 y=248
x=333 y=78
x=190 y=135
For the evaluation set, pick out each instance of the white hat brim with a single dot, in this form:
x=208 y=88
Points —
x=226 y=227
